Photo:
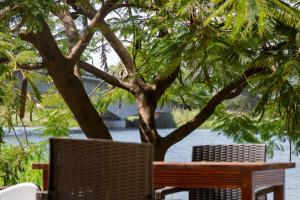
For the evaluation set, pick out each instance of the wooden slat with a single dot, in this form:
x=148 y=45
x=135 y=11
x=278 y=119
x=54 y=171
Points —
x=42 y=166
x=197 y=178
x=268 y=177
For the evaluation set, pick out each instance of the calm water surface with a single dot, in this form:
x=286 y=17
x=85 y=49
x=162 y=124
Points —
x=182 y=151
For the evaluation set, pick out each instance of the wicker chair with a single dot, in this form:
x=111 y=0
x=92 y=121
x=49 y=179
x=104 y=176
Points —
x=221 y=153
x=98 y=170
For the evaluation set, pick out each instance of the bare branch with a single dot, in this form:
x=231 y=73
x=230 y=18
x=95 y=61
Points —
x=71 y=31
x=34 y=66
x=69 y=25
x=107 y=32
x=118 y=47
x=79 y=48
x=108 y=90
x=106 y=77
x=95 y=89
x=230 y=91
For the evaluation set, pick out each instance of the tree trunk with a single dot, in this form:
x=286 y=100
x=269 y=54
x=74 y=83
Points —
x=160 y=150
x=147 y=127
x=73 y=92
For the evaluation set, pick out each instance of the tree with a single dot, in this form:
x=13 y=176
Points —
x=171 y=46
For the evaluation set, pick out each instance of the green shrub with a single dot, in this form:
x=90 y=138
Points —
x=16 y=163
x=132 y=121
x=164 y=120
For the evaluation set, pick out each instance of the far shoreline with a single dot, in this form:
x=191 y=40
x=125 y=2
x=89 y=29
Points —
x=37 y=130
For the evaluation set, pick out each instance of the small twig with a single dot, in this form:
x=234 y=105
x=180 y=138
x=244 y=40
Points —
x=20 y=143
x=25 y=131
x=290 y=145
x=100 y=83
x=106 y=91
x=34 y=66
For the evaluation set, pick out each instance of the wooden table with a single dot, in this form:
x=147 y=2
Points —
x=249 y=176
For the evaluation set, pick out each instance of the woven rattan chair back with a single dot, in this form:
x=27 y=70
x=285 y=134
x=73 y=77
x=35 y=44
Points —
x=99 y=170
x=225 y=153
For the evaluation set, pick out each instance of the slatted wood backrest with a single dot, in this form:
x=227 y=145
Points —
x=99 y=170
x=225 y=153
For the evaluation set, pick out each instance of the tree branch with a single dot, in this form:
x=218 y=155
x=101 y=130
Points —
x=230 y=91
x=79 y=48
x=70 y=29
x=69 y=25
x=161 y=84
x=106 y=77
x=89 y=11
x=115 y=43
x=44 y=42
x=34 y=66
x=136 y=5
x=119 y=48
x=97 y=19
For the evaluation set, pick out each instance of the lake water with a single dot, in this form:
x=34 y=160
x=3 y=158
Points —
x=182 y=151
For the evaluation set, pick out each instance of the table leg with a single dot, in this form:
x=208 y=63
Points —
x=247 y=186
x=248 y=194
x=45 y=179
x=279 y=192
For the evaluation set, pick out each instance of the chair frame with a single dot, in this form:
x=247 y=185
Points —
x=99 y=175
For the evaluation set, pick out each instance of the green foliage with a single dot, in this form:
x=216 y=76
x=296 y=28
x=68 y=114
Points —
x=16 y=163
x=107 y=97
x=54 y=116
x=181 y=116
x=57 y=125
x=239 y=127
x=242 y=128
x=13 y=52
x=237 y=35
x=246 y=16
x=10 y=102
x=33 y=12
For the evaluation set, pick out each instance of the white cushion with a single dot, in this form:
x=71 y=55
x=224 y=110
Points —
x=22 y=191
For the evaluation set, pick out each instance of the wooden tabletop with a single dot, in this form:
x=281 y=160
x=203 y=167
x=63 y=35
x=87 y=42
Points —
x=251 y=166
x=167 y=166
